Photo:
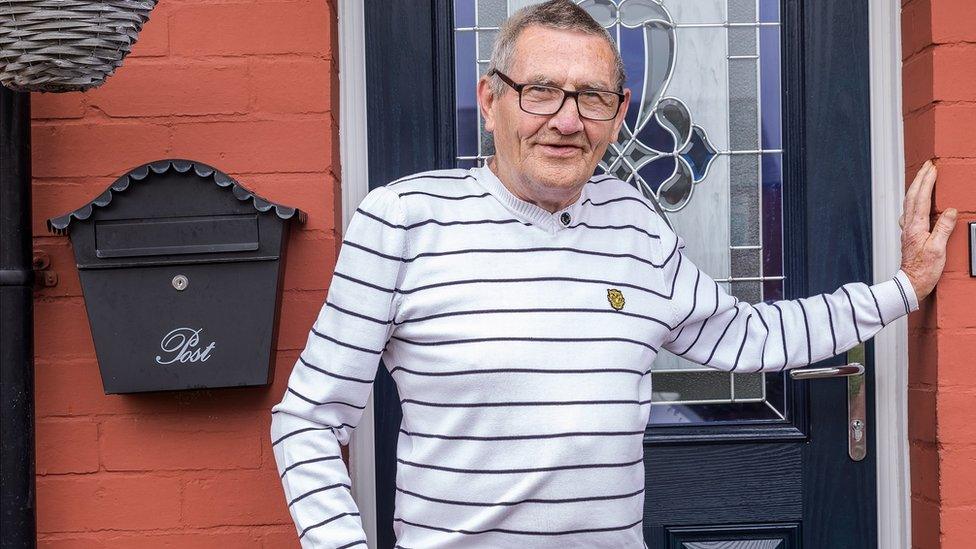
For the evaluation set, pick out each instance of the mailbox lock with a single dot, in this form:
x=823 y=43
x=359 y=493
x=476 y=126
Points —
x=180 y=282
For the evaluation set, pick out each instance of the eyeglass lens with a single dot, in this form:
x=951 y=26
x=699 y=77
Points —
x=546 y=100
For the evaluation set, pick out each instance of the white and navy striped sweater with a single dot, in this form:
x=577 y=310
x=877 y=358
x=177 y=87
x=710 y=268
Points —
x=523 y=376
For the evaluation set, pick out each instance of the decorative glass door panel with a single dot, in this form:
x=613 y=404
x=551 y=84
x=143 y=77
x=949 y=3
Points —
x=702 y=140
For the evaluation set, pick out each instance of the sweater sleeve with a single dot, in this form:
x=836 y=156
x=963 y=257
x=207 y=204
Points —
x=331 y=381
x=717 y=330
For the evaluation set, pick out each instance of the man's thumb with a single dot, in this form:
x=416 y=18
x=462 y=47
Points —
x=944 y=226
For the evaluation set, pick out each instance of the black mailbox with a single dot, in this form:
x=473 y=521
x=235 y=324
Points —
x=181 y=269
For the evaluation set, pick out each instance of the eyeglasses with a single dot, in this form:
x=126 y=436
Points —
x=547 y=100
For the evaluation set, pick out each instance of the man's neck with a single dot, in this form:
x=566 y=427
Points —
x=513 y=183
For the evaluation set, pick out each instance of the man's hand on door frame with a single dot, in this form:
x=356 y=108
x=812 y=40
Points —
x=923 y=247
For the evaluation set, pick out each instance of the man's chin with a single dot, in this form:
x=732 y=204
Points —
x=563 y=172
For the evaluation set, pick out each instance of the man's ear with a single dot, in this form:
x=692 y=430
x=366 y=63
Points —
x=621 y=115
x=486 y=100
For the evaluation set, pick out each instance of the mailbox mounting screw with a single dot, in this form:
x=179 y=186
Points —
x=180 y=282
x=40 y=262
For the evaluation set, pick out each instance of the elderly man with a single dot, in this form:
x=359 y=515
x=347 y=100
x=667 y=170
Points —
x=519 y=306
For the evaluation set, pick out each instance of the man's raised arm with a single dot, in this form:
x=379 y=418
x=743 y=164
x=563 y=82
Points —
x=715 y=329
x=331 y=380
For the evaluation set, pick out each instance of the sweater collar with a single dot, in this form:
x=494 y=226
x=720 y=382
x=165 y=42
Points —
x=551 y=222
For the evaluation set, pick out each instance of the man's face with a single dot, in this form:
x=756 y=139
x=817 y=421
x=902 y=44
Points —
x=557 y=152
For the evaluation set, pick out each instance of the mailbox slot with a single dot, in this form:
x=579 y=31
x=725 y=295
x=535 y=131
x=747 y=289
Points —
x=188 y=235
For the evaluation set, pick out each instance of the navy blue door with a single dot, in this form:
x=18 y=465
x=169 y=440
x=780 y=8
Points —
x=772 y=161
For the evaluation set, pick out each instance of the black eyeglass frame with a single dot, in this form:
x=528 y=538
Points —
x=566 y=93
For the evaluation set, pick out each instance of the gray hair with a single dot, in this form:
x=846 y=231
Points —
x=554 y=14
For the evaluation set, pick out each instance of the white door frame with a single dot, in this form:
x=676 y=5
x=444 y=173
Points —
x=891 y=345
x=355 y=184
x=887 y=168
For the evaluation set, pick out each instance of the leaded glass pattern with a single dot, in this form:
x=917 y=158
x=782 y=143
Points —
x=702 y=139
x=735 y=544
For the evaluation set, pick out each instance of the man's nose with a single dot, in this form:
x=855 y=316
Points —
x=567 y=119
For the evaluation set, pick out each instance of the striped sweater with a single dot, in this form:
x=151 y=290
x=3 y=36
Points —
x=520 y=342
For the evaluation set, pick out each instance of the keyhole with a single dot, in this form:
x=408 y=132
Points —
x=180 y=282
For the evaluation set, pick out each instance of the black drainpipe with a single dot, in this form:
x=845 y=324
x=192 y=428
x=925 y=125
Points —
x=16 y=325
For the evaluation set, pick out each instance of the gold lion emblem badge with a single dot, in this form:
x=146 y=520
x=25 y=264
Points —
x=616 y=298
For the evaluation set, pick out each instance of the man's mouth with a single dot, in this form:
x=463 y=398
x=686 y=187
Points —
x=558 y=149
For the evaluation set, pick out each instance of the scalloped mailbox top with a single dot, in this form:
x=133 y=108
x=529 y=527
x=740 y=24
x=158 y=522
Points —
x=59 y=225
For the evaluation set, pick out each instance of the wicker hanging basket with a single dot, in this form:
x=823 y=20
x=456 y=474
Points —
x=66 y=45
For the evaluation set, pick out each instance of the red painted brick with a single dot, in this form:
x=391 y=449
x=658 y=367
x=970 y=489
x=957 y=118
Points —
x=952 y=21
x=311 y=261
x=959 y=528
x=56 y=105
x=73 y=388
x=301 y=85
x=923 y=361
x=263 y=146
x=955 y=424
x=921 y=415
x=958 y=474
x=158 y=89
x=282 y=540
x=56 y=197
x=235 y=498
x=924 y=470
x=957 y=301
x=313 y=193
x=95 y=148
x=917 y=82
x=72 y=503
x=923 y=320
x=66 y=446
x=251 y=28
x=153 y=40
x=919 y=139
x=955 y=79
x=925 y=524
x=916 y=27
x=301 y=309
x=954 y=129
x=938 y=45
x=61 y=328
x=180 y=540
x=181 y=441
x=956 y=187
x=956 y=351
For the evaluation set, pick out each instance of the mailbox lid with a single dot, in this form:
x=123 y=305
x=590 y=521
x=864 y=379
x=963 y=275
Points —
x=175 y=211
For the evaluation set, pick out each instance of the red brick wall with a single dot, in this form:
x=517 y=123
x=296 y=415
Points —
x=939 y=75
x=251 y=88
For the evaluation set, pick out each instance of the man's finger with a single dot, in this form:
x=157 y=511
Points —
x=923 y=198
x=943 y=228
x=909 y=207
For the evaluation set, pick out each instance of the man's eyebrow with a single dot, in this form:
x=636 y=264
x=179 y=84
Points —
x=541 y=79
x=587 y=85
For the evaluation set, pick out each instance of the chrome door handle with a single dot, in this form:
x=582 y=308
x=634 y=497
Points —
x=852 y=369
x=857 y=439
